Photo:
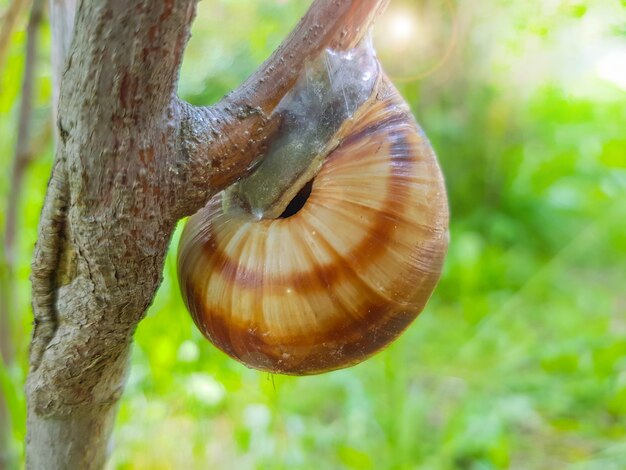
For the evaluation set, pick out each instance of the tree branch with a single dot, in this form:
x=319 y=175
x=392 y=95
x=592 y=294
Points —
x=328 y=24
x=131 y=160
x=220 y=143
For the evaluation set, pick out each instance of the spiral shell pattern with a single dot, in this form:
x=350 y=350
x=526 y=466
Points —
x=340 y=279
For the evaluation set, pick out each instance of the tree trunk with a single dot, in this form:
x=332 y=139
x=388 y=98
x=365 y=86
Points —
x=132 y=159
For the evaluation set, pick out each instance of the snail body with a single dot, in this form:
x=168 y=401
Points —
x=338 y=268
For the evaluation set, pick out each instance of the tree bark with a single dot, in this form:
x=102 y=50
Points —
x=132 y=159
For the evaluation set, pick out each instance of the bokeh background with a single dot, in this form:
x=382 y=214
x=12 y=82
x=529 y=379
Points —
x=518 y=361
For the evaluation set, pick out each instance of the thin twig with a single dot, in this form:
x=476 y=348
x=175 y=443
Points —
x=23 y=155
x=62 y=14
x=8 y=26
x=21 y=160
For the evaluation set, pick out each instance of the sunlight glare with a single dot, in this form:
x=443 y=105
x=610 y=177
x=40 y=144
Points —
x=612 y=68
x=402 y=28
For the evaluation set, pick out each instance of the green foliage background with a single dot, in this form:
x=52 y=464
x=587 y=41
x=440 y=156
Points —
x=519 y=360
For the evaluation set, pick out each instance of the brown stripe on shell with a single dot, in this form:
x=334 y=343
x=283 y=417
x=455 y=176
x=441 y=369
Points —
x=396 y=118
x=346 y=344
x=336 y=347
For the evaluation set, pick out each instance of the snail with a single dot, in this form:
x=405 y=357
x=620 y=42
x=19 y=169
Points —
x=330 y=249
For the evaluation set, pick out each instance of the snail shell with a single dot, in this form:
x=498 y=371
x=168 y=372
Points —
x=327 y=284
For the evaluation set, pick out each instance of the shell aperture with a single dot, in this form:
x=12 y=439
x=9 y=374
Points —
x=344 y=273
